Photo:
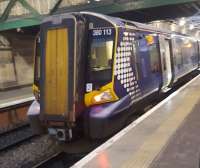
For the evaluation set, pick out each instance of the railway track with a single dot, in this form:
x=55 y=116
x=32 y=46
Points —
x=60 y=160
x=15 y=137
x=14 y=127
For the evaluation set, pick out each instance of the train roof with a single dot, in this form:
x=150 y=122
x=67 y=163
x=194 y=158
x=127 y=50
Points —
x=119 y=22
x=122 y=22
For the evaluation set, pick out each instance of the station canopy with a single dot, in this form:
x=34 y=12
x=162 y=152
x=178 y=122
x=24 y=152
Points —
x=22 y=13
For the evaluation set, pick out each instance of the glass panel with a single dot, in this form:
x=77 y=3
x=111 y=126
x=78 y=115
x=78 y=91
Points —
x=101 y=55
x=42 y=6
x=178 y=57
x=3 y=5
x=37 y=62
x=136 y=59
x=100 y=60
x=18 y=10
x=154 y=58
x=67 y=3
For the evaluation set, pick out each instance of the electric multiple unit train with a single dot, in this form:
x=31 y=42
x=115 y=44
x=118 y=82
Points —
x=92 y=67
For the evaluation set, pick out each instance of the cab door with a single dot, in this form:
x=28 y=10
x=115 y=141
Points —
x=165 y=62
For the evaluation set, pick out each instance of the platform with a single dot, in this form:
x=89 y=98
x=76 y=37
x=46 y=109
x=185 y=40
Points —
x=167 y=136
x=15 y=96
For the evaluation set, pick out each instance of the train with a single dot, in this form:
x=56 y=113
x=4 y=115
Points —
x=90 y=68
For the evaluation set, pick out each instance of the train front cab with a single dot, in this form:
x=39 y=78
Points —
x=59 y=82
x=64 y=76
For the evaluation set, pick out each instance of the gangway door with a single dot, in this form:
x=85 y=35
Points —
x=56 y=72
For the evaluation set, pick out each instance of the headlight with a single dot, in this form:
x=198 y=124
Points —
x=103 y=97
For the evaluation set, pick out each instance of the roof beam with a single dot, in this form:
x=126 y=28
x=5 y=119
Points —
x=6 y=12
x=114 y=6
x=55 y=7
x=26 y=5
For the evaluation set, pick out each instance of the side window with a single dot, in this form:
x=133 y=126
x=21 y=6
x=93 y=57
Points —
x=178 y=54
x=154 y=58
x=143 y=54
x=164 y=61
x=163 y=52
x=37 y=61
x=136 y=60
x=140 y=49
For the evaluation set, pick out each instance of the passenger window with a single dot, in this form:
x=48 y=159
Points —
x=136 y=60
x=154 y=58
x=178 y=55
x=164 y=60
x=37 y=59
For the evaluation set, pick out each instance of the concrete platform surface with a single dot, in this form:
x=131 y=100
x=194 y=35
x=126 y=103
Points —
x=183 y=149
x=15 y=96
x=167 y=136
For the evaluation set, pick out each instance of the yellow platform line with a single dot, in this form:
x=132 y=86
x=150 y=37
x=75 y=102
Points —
x=157 y=141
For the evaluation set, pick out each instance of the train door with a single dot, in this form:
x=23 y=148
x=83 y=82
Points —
x=58 y=69
x=199 y=54
x=165 y=62
x=148 y=56
x=56 y=72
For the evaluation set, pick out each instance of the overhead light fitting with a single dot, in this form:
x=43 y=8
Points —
x=182 y=22
x=191 y=27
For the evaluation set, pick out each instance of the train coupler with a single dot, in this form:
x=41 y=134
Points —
x=61 y=134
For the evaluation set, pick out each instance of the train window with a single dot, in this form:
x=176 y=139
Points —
x=100 y=61
x=154 y=58
x=37 y=62
x=136 y=60
x=178 y=53
x=164 y=61
x=101 y=55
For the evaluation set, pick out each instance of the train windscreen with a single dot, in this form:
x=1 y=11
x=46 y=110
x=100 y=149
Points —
x=100 y=56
